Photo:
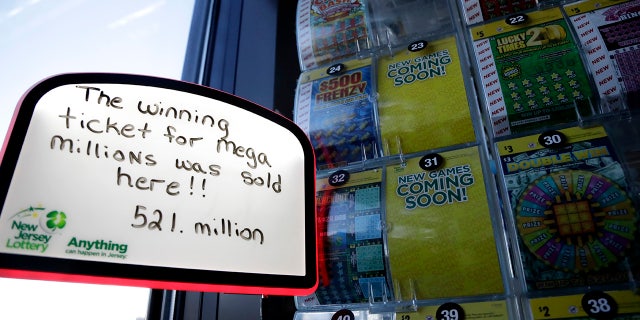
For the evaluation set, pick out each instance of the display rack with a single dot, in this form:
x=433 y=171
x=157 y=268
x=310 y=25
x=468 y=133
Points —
x=476 y=159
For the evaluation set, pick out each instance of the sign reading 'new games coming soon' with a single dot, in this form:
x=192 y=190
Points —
x=145 y=181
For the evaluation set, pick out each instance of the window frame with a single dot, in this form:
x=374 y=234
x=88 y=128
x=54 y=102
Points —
x=246 y=48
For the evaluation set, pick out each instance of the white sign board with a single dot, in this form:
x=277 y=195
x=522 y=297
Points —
x=157 y=180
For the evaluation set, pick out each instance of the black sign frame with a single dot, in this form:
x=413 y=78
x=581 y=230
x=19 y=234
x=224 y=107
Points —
x=75 y=270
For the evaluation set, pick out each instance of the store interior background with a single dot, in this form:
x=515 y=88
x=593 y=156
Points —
x=239 y=46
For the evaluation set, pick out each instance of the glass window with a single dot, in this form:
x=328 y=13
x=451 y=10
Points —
x=41 y=38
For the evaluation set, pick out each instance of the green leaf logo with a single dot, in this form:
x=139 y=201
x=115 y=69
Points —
x=56 y=220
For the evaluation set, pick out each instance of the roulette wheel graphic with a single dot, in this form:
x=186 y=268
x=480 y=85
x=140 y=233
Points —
x=576 y=220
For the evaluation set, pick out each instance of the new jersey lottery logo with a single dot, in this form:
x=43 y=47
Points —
x=32 y=229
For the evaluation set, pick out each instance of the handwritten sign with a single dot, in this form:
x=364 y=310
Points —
x=158 y=183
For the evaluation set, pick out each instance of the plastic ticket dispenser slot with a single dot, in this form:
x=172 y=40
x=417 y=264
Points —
x=142 y=181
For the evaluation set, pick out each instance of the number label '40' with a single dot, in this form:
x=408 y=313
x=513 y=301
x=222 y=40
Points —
x=343 y=314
